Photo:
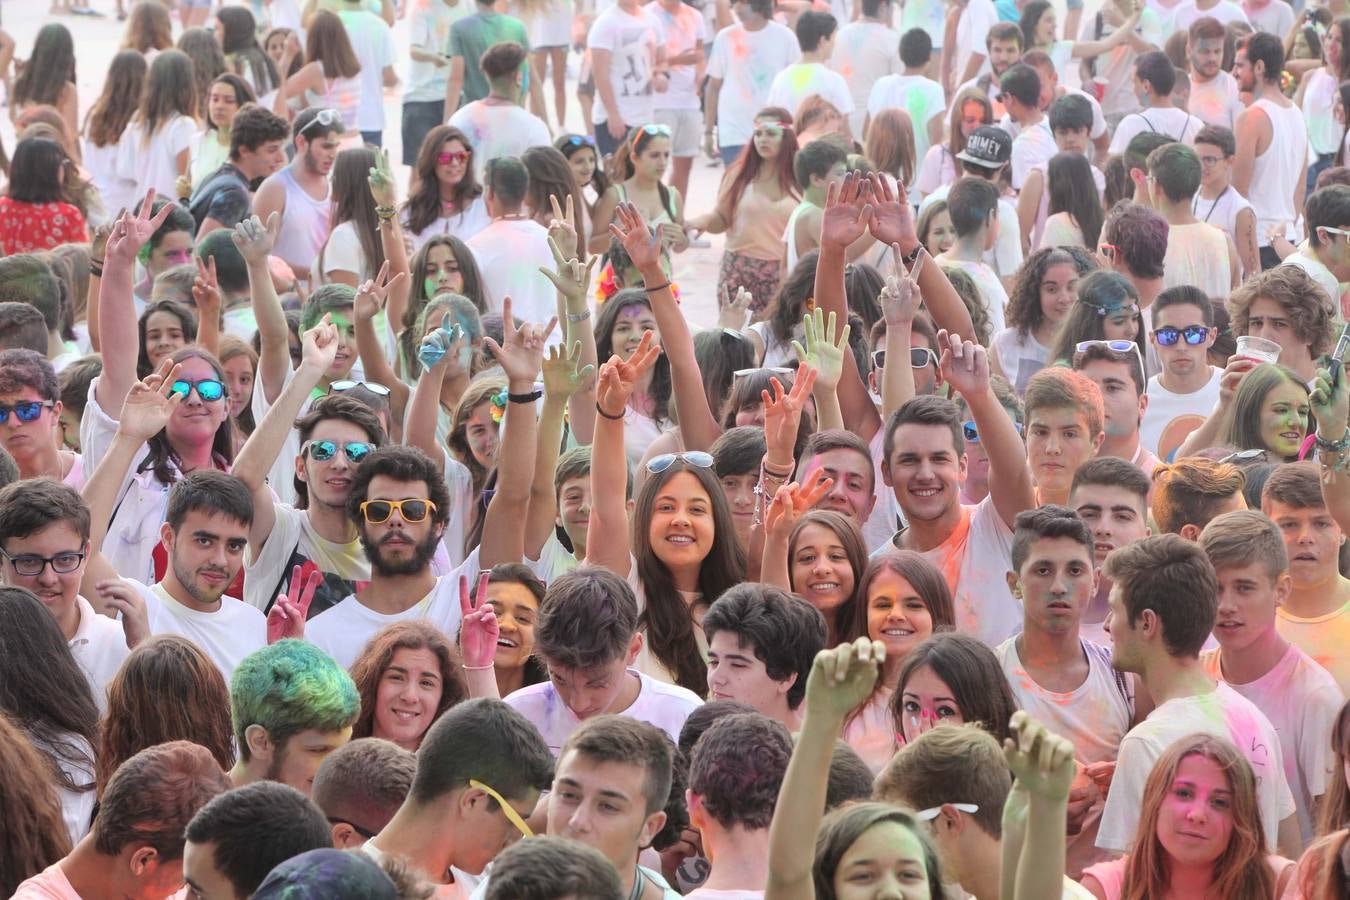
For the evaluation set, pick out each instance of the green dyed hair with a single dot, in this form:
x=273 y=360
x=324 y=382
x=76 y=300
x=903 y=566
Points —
x=329 y=298
x=289 y=687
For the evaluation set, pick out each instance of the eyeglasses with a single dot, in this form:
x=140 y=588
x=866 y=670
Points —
x=772 y=370
x=353 y=826
x=374 y=387
x=928 y=815
x=322 y=451
x=697 y=458
x=1206 y=161
x=655 y=129
x=26 y=410
x=30 y=565
x=1117 y=346
x=507 y=809
x=411 y=510
x=208 y=389
x=326 y=117
x=972 y=434
x=452 y=156
x=579 y=140
x=1194 y=334
x=919 y=358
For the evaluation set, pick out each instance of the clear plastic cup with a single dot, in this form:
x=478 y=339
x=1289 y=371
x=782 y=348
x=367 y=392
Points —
x=1258 y=348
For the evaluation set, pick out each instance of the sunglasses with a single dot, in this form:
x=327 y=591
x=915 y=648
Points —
x=507 y=809
x=326 y=117
x=654 y=130
x=658 y=464
x=919 y=358
x=579 y=140
x=374 y=387
x=972 y=434
x=452 y=156
x=30 y=565
x=928 y=815
x=1245 y=456
x=772 y=370
x=1116 y=346
x=411 y=510
x=1194 y=334
x=208 y=389
x=322 y=451
x=26 y=410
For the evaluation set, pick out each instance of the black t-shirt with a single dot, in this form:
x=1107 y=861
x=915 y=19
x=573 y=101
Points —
x=223 y=196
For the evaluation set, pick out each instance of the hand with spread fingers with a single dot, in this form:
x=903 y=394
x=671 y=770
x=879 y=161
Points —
x=643 y=247
x=563 y=373
x=151 y=403
x=820 y=349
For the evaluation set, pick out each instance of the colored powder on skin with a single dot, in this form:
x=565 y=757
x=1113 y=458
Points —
x=429 y=286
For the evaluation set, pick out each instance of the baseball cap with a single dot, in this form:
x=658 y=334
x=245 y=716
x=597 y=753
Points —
x=987 y=146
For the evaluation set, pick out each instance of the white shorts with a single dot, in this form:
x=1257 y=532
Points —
x=686 y=130
x=552 y=27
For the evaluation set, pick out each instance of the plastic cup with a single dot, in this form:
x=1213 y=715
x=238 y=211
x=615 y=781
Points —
x=1097 y=87
x=1258 y=348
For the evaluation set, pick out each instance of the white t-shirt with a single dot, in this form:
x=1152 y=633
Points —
x=1175 y=124
x=153 y=164
x=1225 y=11
x=509 y=253
x=343 y=253
x=633 y=39
x=1302 y=701
x=226 y=636
x=1223 y=713
x=864 y=53
x=684 y=30
x=923 y=98
x=373 y=41
x=928 y=15
x=1317 y=270
x=1175 y=415
x=972 y=29
x=664 y=705
x=1217 y=101
x=974 y=561
x=1115 y=68
x=493 y=130
x=800 y=80
x=429 y=28
x=1325 y=638
x=343 y=631
x=77 y=806
x=1031 y=147
x=294 y=542
x=99 y=646
x=554 y=560
x=1197 y=255
x=746 y=63
x=1006 y=256
x=1019 y=356
x=1221 y=211
x=991 y=289
x=462 y=225
x=1319 y=97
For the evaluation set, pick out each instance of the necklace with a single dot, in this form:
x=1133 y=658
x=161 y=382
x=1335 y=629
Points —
x=1196 y=202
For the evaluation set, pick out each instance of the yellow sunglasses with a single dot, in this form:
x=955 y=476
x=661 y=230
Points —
x=507 y=809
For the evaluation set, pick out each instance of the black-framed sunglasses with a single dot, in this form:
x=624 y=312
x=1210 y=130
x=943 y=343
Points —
x=1194 y=335
x=697 y=458
x=30 y=565
x=26 y=410
x=322 y=451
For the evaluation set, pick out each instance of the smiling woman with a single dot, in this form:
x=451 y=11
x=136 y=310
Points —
x=1270 y=412
x=407 y=676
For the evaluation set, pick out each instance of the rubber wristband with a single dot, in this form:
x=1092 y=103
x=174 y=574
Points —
x=525 y=398
x=617 y=418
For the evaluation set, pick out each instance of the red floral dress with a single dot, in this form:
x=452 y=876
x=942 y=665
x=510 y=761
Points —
x=35 y=227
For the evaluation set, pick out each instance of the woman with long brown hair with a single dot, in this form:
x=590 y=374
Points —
x=757 y=195
x=155 y=150
x=105 y=122
x=48 y=77
x=32 y=835
x=551 y=175
x=330 y=77
x=149 y=29
x=890 y=145
x=1200 y=832
x=407 y=676
x=444 y=197
x=970 y=110
x=353 y=252
x=167 y=690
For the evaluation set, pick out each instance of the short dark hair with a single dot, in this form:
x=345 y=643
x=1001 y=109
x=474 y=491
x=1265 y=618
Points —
x=256 y=827
x=502 y=59
x=153 y=795
x=231 y=270
x=970 y=203
x=916 y=48
x=620 y=739
x=553 y=868
x=1004 y=32
x=1268 y=49
x=27 y=278
x=1139 y=234
x=21 y=325
x=304 y=125
x=1140 y=146
x=1043 y=523
x=28 y=506
x=484 y=740
x=1171 y=576
x=1296 y=484
x=1023 y=83
x=737 y=769
x=254 y=126
x=74 y=381
x=784 y=631
x=926 y=410
x=817 y=159
x=1155 y=68
x=1189 y=491
x=364 y=782
x=814 y=27
x=1070 y=113
x=1328 y=207
x=21 y=369
x=701 y=718
x=738 y=451
x=1217 y=136
x=588 y=619
x=1112 y=471
x=1175 y=168
x=1185 y=295
x=329 y=298
x=400 y=463
x=508 y=180
x=850 y=779
x=212 y=492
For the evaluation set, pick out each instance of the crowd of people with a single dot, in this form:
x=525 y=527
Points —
x=381 y=525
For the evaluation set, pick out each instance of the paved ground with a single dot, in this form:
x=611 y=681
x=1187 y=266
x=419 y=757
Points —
x=97 y=40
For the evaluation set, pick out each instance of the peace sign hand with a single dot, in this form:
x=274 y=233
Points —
x=381 y=180
x=563 y=229
x=619 y=377
x=478 y=628
x=131 y=232
x=286 y=618
x=783 y=415
x=790 y=503
x=374 y=294
x=150 y=403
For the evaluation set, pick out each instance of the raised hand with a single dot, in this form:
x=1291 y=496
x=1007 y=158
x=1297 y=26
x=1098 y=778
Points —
x=122 y=598
x=150 y=403
x=1040 y=760
x=286 y=618
x=572 y=279
x=256 y=240
x=478 y=628
x=783 y=414
x=791 y=502
x=847 y=211
x=381 y=180
x=1233 y=373
x=822 y=351
x=735 y=313
x=374 y=293
x=206 y=290
x=643 y=247
x=130 y=232
x=562 y=378
x=619 y=377
x=964 y=364
x=319 y=345
x=892 y=220
x=1330 y=402
x=562 y=228
x=99 y=246
x=843 y=678
x=900 y=297
x=521 y=351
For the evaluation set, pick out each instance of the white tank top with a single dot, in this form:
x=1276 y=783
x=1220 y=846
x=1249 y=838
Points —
x=1222 y=211
x=790 y=235
x=304 y=224
x=1277 y=172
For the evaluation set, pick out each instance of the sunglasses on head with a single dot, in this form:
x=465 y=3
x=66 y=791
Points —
x=208 y=389
x=326 y=117
x=655 y=129
x=26 y=410
x=452 y=156
x=772 y=370
x=697 y=458
x=411 y=510
x=322 y=451
x=1115 y=347
x=579 y=140
x=374 y=387
x=919 y=358
x=1194 y=334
